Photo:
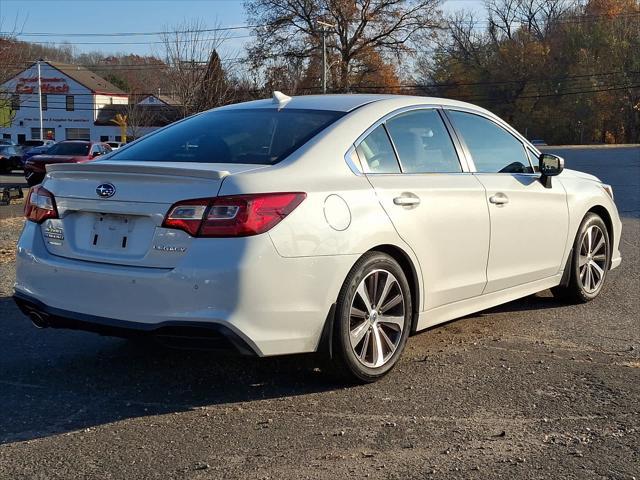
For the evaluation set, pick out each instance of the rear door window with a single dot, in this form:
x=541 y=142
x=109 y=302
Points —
x=243 y=136
x=492 y=148
x=423 y=143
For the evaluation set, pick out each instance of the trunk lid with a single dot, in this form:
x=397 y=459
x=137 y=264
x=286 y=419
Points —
x=112 y=212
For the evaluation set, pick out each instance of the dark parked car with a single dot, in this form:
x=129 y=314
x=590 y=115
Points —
x=32 y=152
x=10 y=157
x=68 y=151
x=37 y=143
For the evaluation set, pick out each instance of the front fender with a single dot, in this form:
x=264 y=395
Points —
x=584 y=196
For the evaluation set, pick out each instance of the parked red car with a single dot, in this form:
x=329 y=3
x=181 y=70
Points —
x=68 y=151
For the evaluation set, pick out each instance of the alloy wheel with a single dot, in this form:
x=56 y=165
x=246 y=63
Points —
x=377 y=318
x=592 y=262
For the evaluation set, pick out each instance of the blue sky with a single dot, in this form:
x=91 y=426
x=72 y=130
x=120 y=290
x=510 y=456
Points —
x=105 y=16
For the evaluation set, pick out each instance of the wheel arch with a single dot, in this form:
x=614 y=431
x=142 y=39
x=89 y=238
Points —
x=410 y=271
x=603 y=213
x=325 y=344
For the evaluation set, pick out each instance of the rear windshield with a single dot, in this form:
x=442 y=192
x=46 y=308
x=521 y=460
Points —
x=253 y=136
x=69 y=149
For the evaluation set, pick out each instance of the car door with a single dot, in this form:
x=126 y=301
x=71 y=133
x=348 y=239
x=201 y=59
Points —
x=439 y=210
x=529 y=223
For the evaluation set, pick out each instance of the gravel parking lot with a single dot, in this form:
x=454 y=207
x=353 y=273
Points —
x=531 y=389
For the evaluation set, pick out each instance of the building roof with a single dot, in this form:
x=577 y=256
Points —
x=145 y=115
x=166 y=99
x=87 y=78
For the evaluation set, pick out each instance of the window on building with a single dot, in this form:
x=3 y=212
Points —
x=15 y=102
x=77 y=134
x=104 y=138
x=48 y=133
x=70 y=103
x=117 y=138
x=6 y=136
x=44 y=101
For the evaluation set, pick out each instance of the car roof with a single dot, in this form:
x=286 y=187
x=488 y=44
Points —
x=346 y=102
x=78 y=141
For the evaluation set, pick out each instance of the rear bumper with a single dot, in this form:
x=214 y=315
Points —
x=275 y=305
x=194 y=334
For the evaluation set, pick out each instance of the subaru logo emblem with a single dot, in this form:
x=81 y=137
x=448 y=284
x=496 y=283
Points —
x=106 y=190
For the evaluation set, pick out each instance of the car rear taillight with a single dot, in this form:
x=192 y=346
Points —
x=232 y=216
x=40 y=205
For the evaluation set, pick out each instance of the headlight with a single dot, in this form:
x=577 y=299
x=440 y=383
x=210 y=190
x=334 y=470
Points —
x=608 y=189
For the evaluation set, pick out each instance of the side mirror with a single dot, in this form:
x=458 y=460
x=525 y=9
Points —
x=550 y=165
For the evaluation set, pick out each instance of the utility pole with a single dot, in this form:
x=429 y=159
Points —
x=324 y=53
x=40 y=99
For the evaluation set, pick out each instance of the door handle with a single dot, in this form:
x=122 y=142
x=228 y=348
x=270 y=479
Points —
x=499 y=199
x=406 y=200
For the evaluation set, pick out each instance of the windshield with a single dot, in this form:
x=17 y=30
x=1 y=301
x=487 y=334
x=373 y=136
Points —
x=69 y=149
x=8 y=150
x=255 y=136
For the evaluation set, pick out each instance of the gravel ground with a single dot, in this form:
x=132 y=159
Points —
x=534 y=389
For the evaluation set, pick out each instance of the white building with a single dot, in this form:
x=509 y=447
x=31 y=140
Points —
x=72 y=98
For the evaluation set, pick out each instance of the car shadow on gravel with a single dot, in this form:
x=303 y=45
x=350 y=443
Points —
x=56 y=381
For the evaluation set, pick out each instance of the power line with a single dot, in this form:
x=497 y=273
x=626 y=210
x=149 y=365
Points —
x=156 y=42
x=575 y=81
x=575 y=18
x=474 y=98
x=129 y=34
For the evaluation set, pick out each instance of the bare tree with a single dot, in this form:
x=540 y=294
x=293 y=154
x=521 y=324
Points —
x=195 y=73
x=10 y=52
x=290 y=28
x=534 y=16
x=138 y=117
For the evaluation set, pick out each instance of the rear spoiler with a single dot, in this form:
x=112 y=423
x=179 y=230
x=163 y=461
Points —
x=141 y=168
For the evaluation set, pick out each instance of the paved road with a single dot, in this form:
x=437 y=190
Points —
x=532 y=389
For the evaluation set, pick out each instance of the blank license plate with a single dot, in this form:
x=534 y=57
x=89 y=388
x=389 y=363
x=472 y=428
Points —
x=111 y=232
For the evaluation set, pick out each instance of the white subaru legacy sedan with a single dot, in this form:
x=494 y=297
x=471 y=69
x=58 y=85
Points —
x=338 y=224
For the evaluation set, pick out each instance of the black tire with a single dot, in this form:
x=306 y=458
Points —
x=575 y=291
x=372 y=269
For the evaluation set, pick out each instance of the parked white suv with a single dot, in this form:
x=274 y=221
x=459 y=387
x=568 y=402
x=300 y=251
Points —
x=336 y=223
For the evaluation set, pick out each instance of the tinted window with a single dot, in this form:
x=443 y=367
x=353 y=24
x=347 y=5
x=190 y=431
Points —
x=423 y=143
x=492 y=148
x=376 y=153
x=10 y=150
x=231 y=136
x=69 y=149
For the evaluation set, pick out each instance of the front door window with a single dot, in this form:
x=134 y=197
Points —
x=492 y=148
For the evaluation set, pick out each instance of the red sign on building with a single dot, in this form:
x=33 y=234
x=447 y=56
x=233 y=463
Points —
x=29 y=85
